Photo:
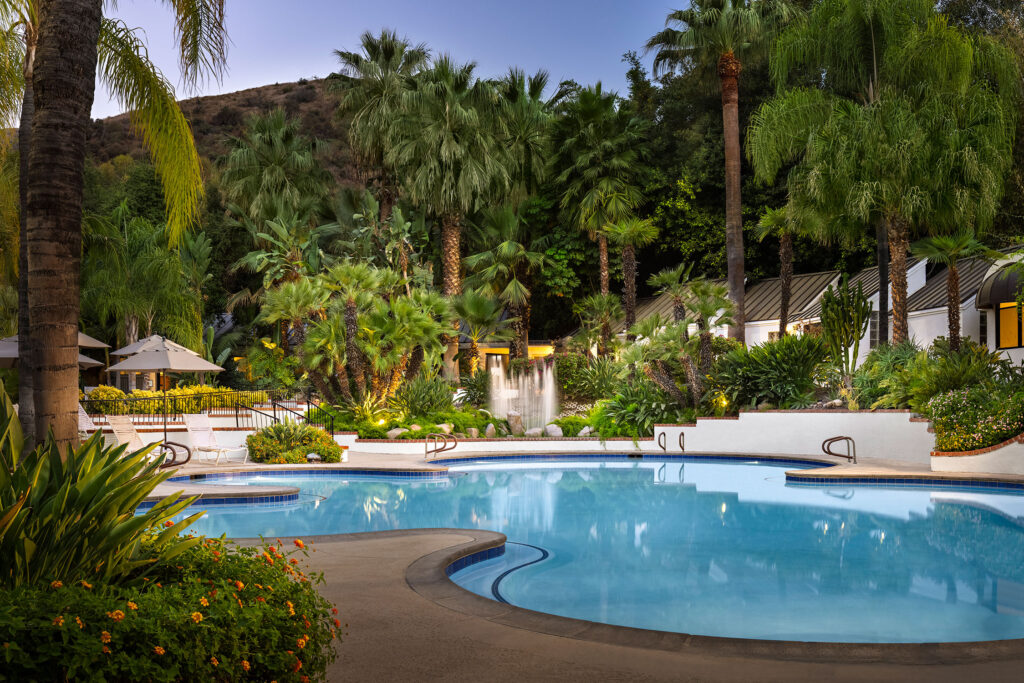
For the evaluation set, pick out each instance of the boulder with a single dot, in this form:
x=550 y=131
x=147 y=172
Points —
x=586 y=431
x=536 y=431
x=445 y=427
x=394 y=433
x=490 y=432
x=515 y=423
x=473 y=432
x=415 y=428
x=838 y=403
x=553 y=430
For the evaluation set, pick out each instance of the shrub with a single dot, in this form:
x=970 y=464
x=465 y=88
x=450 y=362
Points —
x=634 y=411
x=572 y=425
x=423 y=396
x=881 y=364
x=602 y=378
x=290 y=442
x=569 y=368
x=476 y=389
x=781 y=372
x=216 y=613
x=108 y=400
x=975 y=417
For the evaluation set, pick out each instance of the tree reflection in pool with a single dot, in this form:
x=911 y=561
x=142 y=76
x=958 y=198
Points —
x=711 y=548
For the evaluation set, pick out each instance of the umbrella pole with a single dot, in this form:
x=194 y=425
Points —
x=160 y=378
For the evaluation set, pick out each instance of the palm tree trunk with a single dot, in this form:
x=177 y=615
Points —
x=629 y=287
x=518 y=349
x=658 y=373
x=353 y=356
x=953 y=306
x=882 y=256
x=415 y=363
x=131 y=329
x=602 y=256
x=704 y=354
x=451 y=283
x=785 y=279
x=729 y=73
x=64 y=81
x=899 y=244
x=474 y=357
x=26 y=368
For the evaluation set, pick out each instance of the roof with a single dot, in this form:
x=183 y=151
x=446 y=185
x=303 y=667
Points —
x=655 y=305
x=763 y=299
x=867 y=279
x=933 y=294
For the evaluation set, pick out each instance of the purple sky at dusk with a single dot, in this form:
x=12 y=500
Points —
x=275 y=41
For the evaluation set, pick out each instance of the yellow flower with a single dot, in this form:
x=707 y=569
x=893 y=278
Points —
x=213 y=660
x=132 y=605
x=116 y=615
x=204 y=602
x=159 y=650
x=105 y=637
x=86 y=584
x=239 y=585
x=299 y=543
x=197 y=617
x=58 y=622
x=56 y=584
x=269 y=344
x=291 y=608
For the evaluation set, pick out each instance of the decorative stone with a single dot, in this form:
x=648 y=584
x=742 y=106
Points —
x=460 y=435
x=314 y=457
x=553 y=430
x=415 y=428
x=473 y=432
x=838 y=403
x=490 y=432
x=394 y=433
x=536 y=431
x=515 y=423
x=445 y=427
x=586 y=431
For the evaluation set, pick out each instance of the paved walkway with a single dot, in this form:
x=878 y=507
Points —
x=395 y=633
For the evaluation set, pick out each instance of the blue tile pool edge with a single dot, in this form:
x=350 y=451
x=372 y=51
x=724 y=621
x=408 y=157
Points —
x=234 y=500
x=474 y=558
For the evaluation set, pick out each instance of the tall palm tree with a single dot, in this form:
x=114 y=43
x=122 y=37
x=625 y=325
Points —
x=597 y=149
x=948 y=250
x=629 y=235
x=507 y=268
x=117 y=55
x=778 y=223
x=723 y=33
x=481 y=315
x=354 y=282
x=371 y=84
x=675 y=283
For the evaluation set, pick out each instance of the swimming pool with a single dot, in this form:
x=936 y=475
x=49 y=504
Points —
x=704 y=547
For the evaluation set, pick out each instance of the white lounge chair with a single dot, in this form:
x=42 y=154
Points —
x=204 y=440
x=86 y=426
x=125 y=434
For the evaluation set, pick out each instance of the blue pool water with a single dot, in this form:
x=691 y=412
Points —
x=711 y=548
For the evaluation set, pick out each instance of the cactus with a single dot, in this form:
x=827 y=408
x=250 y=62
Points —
x=845 y=315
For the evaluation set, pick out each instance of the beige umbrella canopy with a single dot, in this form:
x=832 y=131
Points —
x=84 y=342
x=9 y=356
x=153 y=342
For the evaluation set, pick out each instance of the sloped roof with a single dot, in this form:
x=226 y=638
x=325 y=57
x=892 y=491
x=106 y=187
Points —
x=867 y=279
x=763 y=300
x=933 y=294
x=654 y=305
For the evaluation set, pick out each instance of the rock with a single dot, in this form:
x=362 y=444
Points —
x=536 y=431
x=586 y=431
x=415 y=428
x=553 y=430
x=445 y=427
x=515 y=423
x=765 y=405
x=314 y=457
x=473 y=432
x=490 y=432
x=394 y=433
x=460 y=435
x=502 y=431
x=838 y=403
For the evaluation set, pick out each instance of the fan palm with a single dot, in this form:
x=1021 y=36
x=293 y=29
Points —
x=482 y=319
x=597 y=312
x=723 y=33
x=629 y=235
x=711 y=307
x=355 y=283
x=948 y=250
x=675 y=283
x=597 y=149
x=779 y=223
x=371 y=84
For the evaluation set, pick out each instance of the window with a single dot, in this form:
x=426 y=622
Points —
x=1008 y=326
x=873 y=330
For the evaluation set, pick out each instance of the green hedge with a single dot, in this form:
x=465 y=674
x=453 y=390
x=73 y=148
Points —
x=290 y=442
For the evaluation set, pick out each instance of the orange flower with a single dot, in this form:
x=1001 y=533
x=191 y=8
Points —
x=56 y=584
x=272 y=549
x=86 y=584
x=337 y=624
x=104 y=637
x=216 y=553
x=213 y=660
x=168 y=523
x=261 y=599
x=334 y=610
x=306 y=621
x=304 y=678
x=299 y=543
x=245 y=664
x=197 y=617
x=132 y=605
x=79 y=622
x=291 y=607
x=116 y=615
x=204 y=602
x=298 y=665
x=106 y=650
x=301 y=642
x=58 y=622
x=293 y=561
x=159 y=650
x=239 y=585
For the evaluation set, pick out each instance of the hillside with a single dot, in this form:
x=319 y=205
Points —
x=216 y=118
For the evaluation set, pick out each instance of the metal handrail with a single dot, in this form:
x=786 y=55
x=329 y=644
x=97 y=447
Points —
x=681 y=435
x=430 y=445
x=851 y=448
x=171 y=446
x=662 y=441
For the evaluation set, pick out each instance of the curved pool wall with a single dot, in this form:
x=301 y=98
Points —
x=710 y=546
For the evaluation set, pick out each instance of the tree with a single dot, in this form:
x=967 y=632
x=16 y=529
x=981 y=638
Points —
x=598 y=146
x=525 y=118
x=354 y=283
x=675 y=283
x=371 y=84
x=482 y=319
x=711 y=307
x=507 y=268
x=597 y=312
x=724 y=32
x=630 y=234
x=948 y=250
x=777 y=223
x=117 y=55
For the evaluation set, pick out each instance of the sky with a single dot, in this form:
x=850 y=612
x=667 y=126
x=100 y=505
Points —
x=277 y=41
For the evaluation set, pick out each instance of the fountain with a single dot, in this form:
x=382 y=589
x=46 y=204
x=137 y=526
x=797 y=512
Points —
x=533 y=394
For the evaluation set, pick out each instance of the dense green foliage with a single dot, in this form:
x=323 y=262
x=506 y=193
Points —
x=290 y=442
x=422 y=396
x=976 y=417
x=781 y=373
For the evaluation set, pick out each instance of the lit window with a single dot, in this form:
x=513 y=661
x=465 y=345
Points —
x=1008 y=325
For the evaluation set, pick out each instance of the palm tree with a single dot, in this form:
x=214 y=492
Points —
x=630 y=234
x=675 y=283
x=525 y=119
x=778 y=223
x=711 y=307
x=597 y=149
x=597 y=312
x=354 y=282
x=63 y=50
x=296 y=303
x=271 y=164
x=723 y=32
x=507 y=268
x=948 y=250
x=482 y=317
x=371 y=84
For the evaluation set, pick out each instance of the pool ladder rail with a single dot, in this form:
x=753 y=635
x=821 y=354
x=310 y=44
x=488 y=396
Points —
x=851 y=448
x=430 y=446
x=663 y=439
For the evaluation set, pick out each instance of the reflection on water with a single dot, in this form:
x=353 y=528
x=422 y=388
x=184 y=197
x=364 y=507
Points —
x=708 y=548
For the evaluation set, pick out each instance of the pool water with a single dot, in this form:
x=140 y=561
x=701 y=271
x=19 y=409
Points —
x=702 y=547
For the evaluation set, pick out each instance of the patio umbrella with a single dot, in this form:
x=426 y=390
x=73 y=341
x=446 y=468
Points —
x=84 y=342
x=162 y=355
x=9 y=356
x=153 y=342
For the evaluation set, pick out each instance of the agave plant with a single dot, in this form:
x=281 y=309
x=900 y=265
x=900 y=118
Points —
x=71 y=516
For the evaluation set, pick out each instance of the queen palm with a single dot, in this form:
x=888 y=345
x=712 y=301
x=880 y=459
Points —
x=482 y=318
x=64 y=50
x=598 y=146
x=723 y=33
x=370 y=86
x=675 y=283
x=629 y=235
x=948 y=250
x=778 y=223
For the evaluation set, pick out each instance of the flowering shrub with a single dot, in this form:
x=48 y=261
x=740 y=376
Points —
x=290 y=442
x=216 y=612
x=968 y=419
x=184 y=399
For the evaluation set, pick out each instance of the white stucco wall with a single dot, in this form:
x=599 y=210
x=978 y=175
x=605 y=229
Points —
x=1007 y=460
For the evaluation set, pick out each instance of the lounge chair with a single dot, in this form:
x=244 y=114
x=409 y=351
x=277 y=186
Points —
x=86 y=426
x=204 y=440
x=125 y=434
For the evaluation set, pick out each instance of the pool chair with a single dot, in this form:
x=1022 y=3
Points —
x=125 y=434
x=200 y=431
x=86 y=427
